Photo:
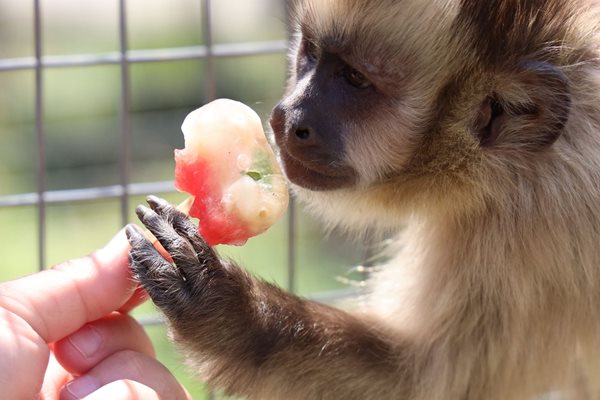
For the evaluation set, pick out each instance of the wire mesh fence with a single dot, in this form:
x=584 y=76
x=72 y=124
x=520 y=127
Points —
x=124 y=58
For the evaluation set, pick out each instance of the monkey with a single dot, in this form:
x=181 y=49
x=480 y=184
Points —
x=470 y=129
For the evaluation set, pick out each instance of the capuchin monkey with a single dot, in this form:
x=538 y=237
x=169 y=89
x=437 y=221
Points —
x=472 y=129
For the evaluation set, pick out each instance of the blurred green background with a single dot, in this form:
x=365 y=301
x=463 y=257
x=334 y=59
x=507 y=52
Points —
x=82 y=128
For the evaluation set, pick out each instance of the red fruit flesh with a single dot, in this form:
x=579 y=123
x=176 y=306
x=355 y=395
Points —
x=197 y=178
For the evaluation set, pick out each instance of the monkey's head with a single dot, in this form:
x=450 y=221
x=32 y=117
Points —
x=397 y=104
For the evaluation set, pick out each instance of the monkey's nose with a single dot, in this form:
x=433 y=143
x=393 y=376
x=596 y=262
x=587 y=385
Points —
x=305 y=135
x=303 y=139
x=277 y=120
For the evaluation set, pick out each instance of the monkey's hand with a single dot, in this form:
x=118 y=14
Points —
x=247 y=336
x=197 y=285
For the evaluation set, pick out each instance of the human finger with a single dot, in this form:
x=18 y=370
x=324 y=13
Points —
x=126 y=365
x=97 y=340
x=54 y=379
x=138 y=297
x=58 y=301
x=124 y=390
x=23 y=358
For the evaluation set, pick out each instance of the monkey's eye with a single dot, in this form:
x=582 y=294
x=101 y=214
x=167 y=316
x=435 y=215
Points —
x=309 y=49
x=355 y=78
x=489 y=121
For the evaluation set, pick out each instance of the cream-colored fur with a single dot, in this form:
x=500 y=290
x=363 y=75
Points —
x=497 y=276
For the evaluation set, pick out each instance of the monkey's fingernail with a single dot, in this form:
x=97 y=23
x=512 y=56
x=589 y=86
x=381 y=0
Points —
x=132 y=232
x=156 y=202
x=141 y=211
x=152 y=199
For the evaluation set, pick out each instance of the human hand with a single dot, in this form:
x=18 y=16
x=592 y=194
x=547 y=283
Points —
x=65 y=334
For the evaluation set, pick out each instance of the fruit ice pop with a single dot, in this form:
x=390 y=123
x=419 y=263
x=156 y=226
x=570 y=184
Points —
x=230 y=170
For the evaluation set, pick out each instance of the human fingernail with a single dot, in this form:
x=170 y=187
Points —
x=116 y=248
x=116 y=243
x=81 y=387
x=87 y=340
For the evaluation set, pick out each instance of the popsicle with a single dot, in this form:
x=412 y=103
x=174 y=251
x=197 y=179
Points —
x=229 y=168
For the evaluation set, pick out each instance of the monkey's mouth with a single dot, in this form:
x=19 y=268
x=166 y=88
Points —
x=318 y=176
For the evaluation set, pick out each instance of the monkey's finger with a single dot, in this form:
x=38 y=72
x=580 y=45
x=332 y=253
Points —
x=164 y=208
x=154 y=273
x=180 y=222
x=180 y=249
x=82 y=350
x=125 y=366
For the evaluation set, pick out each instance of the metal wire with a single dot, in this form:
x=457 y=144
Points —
x=211 y=78
x=223 y=50
x=39 y=129
x=125 y=128
x=88 y=194
x=292 y=225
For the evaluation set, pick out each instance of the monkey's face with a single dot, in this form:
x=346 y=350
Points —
x=349 y=116
x=395 y=100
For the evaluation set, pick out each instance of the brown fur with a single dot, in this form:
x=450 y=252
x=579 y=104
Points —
x=492 y=291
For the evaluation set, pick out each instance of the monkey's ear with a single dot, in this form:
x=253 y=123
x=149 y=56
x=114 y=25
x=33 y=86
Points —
x=528 y=110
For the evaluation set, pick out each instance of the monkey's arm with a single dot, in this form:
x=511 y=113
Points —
x=251 y=338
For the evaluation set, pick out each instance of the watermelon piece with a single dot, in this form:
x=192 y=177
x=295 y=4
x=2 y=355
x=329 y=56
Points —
x=229 y=168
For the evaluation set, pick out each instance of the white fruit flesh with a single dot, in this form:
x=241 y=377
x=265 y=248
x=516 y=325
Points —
x=227 y=136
